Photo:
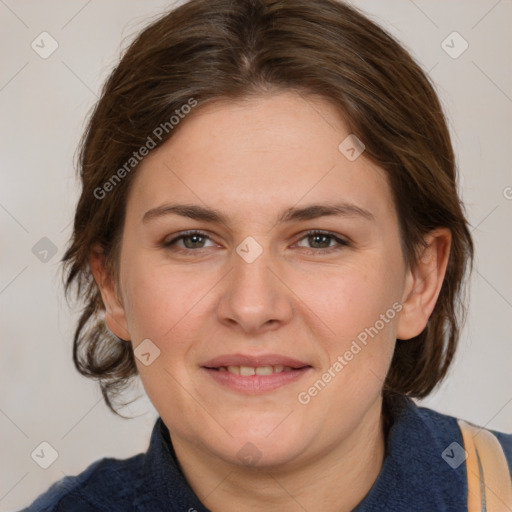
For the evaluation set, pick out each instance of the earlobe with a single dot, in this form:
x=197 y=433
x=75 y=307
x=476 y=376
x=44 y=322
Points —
x=423 y=284
x=115 y=317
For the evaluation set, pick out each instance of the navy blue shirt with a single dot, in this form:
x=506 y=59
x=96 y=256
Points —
x=415 y=475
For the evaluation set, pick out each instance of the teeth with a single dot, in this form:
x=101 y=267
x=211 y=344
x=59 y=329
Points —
x=248 y=371
x=264 y=370
x=245 y=371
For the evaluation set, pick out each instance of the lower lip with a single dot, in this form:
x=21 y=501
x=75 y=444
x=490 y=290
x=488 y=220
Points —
x=256 y=384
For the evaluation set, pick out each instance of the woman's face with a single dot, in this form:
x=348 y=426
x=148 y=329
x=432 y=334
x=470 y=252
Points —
x=267 y=343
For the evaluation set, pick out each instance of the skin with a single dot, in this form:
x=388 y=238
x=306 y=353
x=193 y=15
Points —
x=251 y=160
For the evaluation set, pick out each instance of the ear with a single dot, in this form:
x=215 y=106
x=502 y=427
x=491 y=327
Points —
x=423 y=284
x=115 y=317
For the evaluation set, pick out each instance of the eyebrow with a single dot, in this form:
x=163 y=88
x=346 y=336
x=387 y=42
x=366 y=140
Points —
x=310 y=212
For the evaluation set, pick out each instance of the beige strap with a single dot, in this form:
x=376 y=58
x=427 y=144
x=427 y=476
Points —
x=489 y=479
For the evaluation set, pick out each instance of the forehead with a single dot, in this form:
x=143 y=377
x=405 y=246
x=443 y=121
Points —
x=260 y=155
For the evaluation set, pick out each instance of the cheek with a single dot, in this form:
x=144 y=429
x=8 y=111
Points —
x=352 y=298
x=164 y=305
x=360 y=307
x=159 y=299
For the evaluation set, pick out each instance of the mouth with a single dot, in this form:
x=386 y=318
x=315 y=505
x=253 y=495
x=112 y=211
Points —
x=247 y=371
x=255 y=375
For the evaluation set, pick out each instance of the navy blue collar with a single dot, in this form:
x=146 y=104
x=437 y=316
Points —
x=414 y=475
x=163 y=485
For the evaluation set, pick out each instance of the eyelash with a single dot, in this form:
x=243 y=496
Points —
x=187 y=234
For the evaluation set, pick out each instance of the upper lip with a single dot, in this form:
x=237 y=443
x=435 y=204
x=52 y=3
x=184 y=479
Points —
x=254 y=361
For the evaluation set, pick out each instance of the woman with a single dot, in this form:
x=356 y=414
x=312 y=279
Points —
x=269 y=234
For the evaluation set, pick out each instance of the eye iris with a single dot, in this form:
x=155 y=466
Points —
x=195 y=240
x=323 y=240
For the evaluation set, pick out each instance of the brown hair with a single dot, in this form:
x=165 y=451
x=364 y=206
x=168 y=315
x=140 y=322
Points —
x=212 y=49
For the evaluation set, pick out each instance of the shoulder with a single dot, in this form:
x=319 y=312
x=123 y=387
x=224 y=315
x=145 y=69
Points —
x=425 y=459
x=442 y=422
x=105 y=485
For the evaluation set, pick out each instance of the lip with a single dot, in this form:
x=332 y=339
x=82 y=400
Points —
x=255 y=384
x=260 y=360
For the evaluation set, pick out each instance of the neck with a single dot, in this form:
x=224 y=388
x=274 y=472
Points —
x=336 y=480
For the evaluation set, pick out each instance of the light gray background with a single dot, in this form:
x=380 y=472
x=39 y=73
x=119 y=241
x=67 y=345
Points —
x=43 y=105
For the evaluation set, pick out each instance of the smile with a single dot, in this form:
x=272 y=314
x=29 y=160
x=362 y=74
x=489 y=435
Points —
x=247 y=371
x=255 y=374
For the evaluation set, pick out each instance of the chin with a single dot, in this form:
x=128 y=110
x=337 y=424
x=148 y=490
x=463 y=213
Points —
x=262 y=444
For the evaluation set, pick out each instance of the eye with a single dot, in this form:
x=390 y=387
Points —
x=322 y=241
x=189 y=240
x=317 y=241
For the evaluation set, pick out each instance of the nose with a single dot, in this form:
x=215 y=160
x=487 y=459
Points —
x=255 y=297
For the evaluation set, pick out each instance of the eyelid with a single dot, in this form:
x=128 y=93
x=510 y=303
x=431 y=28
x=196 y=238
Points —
x=340 y=240
x=184 y=234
